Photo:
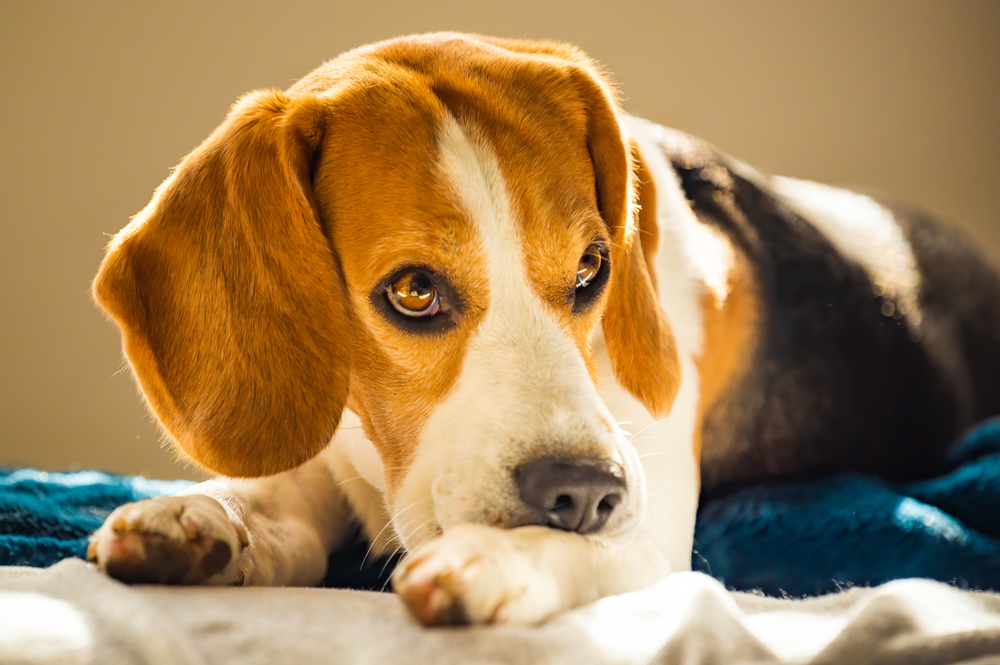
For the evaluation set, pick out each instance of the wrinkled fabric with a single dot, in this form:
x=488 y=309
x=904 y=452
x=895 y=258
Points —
x=70 y=614
x=815 y=537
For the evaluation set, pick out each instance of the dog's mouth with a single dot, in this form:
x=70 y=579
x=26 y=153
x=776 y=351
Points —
x=589 y=497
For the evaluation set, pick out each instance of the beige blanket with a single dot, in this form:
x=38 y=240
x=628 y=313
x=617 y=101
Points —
x=70 y=614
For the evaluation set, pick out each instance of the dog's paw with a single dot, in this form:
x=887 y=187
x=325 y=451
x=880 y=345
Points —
x=169 y=540
x=475 y=574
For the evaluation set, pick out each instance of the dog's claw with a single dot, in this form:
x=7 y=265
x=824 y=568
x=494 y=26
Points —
x=432 y=603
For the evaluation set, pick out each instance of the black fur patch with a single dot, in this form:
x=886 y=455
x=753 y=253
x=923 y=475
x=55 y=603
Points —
x=833 y=384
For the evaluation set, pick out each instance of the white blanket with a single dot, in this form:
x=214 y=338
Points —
x=70 y=614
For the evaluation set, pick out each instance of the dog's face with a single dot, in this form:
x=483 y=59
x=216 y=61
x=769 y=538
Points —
x=428 y=231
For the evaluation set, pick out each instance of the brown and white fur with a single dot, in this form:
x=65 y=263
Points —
x=251 y=298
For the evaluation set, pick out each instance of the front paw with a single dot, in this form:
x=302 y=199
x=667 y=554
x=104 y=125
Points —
x=169 y=540
x=476 y=574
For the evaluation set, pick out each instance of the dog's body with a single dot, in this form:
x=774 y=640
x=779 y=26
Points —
x=739 y=327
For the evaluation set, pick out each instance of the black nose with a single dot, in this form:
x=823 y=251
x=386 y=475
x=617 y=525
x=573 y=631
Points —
x=574 y=495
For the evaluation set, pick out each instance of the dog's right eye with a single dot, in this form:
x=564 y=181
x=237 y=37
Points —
x=590 y=266
x=413 y=294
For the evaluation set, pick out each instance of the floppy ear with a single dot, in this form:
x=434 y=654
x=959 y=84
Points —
x=229 y=298
x=639 y=339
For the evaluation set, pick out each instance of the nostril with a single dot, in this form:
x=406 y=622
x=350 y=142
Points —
x=608 y=504
x=563 y=502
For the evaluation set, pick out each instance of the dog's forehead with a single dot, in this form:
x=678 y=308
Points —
x=382 y=186
x=529 y=217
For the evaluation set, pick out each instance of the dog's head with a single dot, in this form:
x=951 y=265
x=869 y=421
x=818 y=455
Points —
x=427 y=231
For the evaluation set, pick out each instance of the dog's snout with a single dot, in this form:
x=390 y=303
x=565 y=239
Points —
x=573 y=495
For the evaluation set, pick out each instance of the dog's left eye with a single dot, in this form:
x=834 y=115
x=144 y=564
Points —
x=413 y=294
x=590 y=265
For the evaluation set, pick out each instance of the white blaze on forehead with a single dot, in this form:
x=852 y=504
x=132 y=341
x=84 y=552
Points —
x=519 y=336
x=476 y=180
x=473 y=173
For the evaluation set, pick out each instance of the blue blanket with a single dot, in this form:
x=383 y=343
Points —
x=786 y=539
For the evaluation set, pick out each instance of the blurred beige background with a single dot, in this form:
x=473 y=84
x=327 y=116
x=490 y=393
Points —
x=100 y=100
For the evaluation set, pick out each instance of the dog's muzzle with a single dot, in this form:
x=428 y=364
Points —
x=572 y=494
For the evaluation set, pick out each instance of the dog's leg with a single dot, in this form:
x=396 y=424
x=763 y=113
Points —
x=271 y=531
x=481 y=574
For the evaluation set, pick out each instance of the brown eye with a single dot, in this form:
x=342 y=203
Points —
x=590 y=266
x=413 y=294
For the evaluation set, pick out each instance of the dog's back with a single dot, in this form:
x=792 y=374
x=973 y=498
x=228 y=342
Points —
x=876 y=335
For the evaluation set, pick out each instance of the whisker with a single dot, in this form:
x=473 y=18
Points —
x=392 y=539
x=659 y=452
x=656 y=514
x=645 y=438
x=421 y=526
x=344 y=482
x=367 y=475
x=406 y=527
x=344 y=449
x=407 y=554
x=652 y=424
x=386 y=565
x=387 y=525
x=667 y=497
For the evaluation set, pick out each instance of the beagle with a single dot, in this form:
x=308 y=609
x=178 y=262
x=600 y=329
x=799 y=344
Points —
x=444 y=288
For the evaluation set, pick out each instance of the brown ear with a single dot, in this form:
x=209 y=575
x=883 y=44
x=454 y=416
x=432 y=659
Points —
x=640 y=342
x=229 y=298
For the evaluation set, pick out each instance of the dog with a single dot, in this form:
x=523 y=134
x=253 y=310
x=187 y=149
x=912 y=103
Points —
x=445 y=288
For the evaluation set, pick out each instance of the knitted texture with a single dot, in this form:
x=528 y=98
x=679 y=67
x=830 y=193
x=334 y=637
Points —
x=814 y=537
x=794 y=539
